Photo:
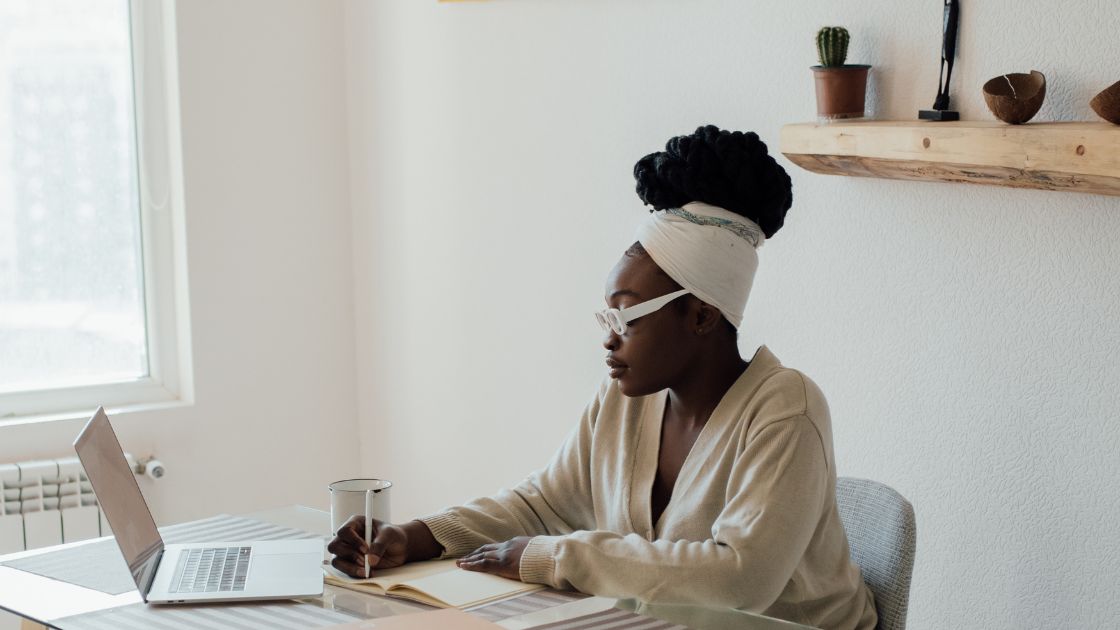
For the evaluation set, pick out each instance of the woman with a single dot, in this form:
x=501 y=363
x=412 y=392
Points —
x=694 y=476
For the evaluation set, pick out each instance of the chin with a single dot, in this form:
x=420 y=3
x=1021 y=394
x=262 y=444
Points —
x=630 y=389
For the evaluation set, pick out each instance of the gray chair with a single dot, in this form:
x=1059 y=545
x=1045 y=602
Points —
x=881 y=537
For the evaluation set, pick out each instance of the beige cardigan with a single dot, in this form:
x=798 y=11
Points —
x=752 y=522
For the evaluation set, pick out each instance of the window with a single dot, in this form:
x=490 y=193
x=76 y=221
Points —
x=92 y=291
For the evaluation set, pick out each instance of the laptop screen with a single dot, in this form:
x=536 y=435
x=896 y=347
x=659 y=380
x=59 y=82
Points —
x=120 y=499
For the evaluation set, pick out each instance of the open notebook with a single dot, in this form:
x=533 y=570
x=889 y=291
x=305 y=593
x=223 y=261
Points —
x=436 y=582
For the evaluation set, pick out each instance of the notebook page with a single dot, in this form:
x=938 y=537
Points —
x=460 y=588
x=388 y=578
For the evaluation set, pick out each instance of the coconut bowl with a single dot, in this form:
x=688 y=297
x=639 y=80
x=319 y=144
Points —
x=1107 y=103
x=1015 y=98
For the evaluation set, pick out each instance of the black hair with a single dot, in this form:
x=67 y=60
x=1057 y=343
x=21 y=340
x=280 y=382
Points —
x=729 y=169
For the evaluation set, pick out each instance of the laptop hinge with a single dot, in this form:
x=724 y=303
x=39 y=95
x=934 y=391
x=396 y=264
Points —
x=152 y=576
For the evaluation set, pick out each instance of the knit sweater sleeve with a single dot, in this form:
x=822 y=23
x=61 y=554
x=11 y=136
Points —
x=554 y=500
x=774 y=500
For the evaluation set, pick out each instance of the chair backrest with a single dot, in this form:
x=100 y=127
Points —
x=881 y=538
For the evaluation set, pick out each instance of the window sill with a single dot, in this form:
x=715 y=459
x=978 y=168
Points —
x=115 y=410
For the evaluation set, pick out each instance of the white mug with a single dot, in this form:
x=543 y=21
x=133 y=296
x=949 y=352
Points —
x=349 y=498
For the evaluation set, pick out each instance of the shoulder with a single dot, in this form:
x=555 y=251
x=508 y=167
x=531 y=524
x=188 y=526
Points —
x=787 y=399
x=785 y=392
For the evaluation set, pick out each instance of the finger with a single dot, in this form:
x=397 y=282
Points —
x=345 y=544
x=482 y=565
x=339 y=546
x=379 y=542
x=477 y=554
x=483 y=549
x=475 y=558
x=385 y=536
x=355 y=558
x=352 y=569
x=469 y=565
x=344 y=551
x=353 y=531
x=375 y=553
x=355 y=524
x=379 y=532
x=351 y=557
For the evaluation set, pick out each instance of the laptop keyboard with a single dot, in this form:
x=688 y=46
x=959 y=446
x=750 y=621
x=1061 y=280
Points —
x=211 y=570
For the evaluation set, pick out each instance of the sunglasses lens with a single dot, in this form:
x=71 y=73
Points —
x=610 y=320
x=602 y=321
x=616 y=322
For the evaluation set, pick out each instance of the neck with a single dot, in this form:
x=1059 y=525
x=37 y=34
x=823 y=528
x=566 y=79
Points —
x=696 y=396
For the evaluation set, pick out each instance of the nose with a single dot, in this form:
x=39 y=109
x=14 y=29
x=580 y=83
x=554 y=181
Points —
x=611 y=341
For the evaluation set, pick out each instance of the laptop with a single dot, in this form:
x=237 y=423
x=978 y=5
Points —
x=189 y=573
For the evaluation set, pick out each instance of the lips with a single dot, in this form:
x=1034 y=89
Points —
x=615 y=367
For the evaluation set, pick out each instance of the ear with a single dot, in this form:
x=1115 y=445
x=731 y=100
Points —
x=707 y=318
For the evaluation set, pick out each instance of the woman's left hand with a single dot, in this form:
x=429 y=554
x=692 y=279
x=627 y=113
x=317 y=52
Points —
x=501 y=559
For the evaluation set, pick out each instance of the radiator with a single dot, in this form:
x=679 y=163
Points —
x=48 y=502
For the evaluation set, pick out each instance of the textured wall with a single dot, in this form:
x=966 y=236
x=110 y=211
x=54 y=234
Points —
x=965 y=336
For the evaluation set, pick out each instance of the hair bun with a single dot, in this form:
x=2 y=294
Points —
x=729 y=169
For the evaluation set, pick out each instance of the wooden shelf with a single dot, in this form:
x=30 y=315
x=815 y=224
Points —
x=1074 y=156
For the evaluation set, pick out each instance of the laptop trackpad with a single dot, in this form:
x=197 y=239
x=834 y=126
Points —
x=299 y=571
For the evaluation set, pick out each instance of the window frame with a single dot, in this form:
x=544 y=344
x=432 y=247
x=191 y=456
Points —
x=162 y=234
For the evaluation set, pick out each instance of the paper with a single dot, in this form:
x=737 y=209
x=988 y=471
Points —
x=436 y=582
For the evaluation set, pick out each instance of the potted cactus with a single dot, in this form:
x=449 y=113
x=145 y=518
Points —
x=841 y=87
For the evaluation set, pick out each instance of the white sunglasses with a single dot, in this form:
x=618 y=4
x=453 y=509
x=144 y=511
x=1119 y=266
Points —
x=616 y=319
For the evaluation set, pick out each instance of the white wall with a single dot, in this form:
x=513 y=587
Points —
x=267 y=215
x=965 y=336
x=268 y=226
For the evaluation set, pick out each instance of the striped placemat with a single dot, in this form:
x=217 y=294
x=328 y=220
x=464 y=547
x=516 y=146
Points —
x=282 y=615
x=100 y=566
x=523 y=604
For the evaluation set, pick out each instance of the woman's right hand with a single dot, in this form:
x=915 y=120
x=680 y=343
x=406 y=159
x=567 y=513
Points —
x=388 y=547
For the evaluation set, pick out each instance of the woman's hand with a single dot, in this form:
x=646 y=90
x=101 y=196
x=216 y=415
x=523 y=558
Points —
x=501 y=559
x=388 y=547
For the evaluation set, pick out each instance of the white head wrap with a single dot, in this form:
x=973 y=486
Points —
x=708 y=250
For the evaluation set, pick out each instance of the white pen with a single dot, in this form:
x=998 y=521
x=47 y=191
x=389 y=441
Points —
x=369 y=525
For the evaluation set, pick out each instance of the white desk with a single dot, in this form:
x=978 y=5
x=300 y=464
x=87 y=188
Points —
x=50 y=602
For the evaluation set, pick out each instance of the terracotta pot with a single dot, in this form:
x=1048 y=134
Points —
x=1107 y=103
x=1016 y=97
x=841 y=90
